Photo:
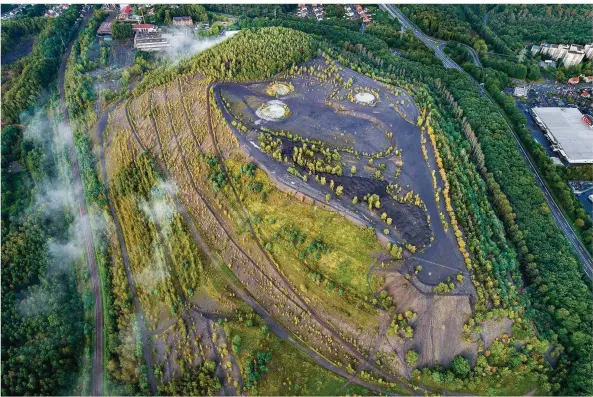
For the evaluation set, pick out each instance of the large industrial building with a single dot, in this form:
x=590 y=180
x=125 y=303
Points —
x=568 y=131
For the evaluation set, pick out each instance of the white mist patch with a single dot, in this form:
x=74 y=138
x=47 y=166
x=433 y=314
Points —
x=364 y=97
x=38 y=127
x=35 y=302
x=153 y=275
x=272 y=110
x=160 y=210
x=187 y=46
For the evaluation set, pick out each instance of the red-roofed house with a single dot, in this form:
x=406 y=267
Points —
x=585 y=94
x=125 y=12
x=588 y=79
x=573 y=80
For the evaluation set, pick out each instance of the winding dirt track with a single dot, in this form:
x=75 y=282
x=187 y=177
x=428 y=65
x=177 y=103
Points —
x=239 y=291
x=87 y=233
x=235 y=371
x=124 y=254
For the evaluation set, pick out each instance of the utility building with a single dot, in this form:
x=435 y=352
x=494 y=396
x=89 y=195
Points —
x=568 y=132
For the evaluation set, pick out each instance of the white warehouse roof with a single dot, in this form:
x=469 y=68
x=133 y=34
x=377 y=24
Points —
x=566 y=129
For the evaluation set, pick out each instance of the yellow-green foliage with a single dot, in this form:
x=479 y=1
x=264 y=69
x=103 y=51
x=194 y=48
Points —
x=253 y=55
x=350 y=247
x=166 y=264
x=291 y=372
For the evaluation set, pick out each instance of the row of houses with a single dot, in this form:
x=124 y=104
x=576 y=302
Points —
x=317 y=11
x=577 y=80
x=570 y=54
x=363 y=14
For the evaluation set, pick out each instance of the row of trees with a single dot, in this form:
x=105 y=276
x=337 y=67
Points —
x=124 y=370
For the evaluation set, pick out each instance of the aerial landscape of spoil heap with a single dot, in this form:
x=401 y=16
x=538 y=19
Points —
x=284 y=213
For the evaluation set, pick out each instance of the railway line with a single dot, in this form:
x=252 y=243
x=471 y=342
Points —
x=98 y=374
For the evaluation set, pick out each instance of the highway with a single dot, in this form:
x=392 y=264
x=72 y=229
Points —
x=563 y=224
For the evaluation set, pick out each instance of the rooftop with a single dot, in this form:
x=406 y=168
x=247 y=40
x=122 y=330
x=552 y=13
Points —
x=570 y=132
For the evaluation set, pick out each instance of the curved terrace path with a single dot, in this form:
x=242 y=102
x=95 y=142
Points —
x=236 y=287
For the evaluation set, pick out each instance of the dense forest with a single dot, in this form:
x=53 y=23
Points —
x=278 y=49
x=561 y=23
x=40 y=67
x=19 y=29
x=44 y=330
x=380 y=37
x=445 y=22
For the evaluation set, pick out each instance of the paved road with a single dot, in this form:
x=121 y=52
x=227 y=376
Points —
x=485 y=20
x=430 y=42
x=474 y=55
x=87 y=233
x=563 y=224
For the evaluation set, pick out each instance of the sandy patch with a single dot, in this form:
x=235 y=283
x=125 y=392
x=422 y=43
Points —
x=364 y=97
x=272 y=110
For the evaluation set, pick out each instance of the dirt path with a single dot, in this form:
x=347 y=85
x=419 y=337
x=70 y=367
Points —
x=239 y=291
x=124 y=253
x=87 y=233
x=235 y=372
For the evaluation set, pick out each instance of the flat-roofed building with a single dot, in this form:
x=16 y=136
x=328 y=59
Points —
x=144 y=28
x=521 y=92
x=573 y=58
x=568 y=133
x=151 y=41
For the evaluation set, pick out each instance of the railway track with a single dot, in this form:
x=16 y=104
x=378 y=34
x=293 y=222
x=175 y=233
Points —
x=98 y=374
